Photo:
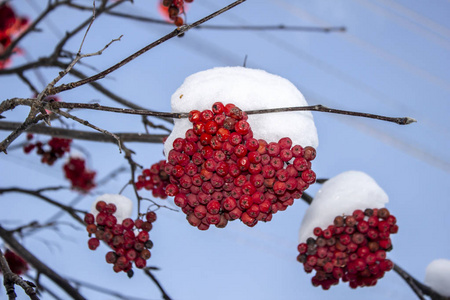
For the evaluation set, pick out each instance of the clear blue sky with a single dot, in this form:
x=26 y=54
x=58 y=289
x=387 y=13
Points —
x=393 y=60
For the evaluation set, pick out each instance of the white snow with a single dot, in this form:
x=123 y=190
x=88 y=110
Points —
x=248 y=89
x=123 y=204
x=437 y=276
x=340 y=195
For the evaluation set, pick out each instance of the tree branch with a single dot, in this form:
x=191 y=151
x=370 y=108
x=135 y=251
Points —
x=39 y=265
x=153 y=278
x=10 y=279
x=419 y=288
x=86 y=135
x=72 y=211
x=176 y=32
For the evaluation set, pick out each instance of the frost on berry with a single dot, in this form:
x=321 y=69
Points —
x=343 y=251
x=129 y=239
x=222 y=176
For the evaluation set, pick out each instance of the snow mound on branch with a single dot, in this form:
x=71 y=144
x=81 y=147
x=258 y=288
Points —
x=437 y=276
x=248 y=89
x=123 y=204
x=341 y=195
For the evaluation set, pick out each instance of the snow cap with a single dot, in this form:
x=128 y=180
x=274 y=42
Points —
x=123 y=204
x=248 y=89
x=437 y=276
x=341 y=195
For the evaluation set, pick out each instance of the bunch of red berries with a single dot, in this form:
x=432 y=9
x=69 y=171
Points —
x=154 y=179
x=16 y=263
x=354 y=249
x=220 y=173
x=50 y=151
x=174 y=9
x=81 y=178
x=130 y=240
x=10 y=25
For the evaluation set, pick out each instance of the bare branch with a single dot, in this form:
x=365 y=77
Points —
x=153 y=278
x=10 y=279
x=42 y=268
x=86 y=123
x=230 y=27
x=71 y=211
x=176 y=32
x=419 y=288
x=86 y=135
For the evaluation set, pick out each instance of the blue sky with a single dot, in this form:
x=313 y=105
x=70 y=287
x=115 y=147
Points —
x=393 y=60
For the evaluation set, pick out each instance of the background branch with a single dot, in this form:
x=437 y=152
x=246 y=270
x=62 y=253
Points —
x=42 y=268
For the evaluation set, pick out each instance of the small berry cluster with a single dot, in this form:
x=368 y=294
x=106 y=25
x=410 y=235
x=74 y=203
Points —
x=57 y=147
x=154 y=179
x=130 y=240
x=10 y=25
x=16 y=263
x=174 y=9
x=220 y=173
x=81 y=178
x=354 y=249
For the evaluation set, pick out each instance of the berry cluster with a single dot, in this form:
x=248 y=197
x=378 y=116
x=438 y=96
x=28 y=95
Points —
x=154 y=179
x=81 y=178
x=220 y=173
x=16 y=263
x=173 y=9
x=354 y=249
x=130 y=240
x=10 y=25
x=57 y=147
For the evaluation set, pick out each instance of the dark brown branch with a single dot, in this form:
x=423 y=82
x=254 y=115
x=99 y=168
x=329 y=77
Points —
x=307 y=198
x=322 y=108
x=176 y=32
x=10 y=280
x=103 y=290
x=18 y=131
x=419 y=288
x=86 y=135
x=42 y=268
x=228 y=27
x=163 y=292
x=71 y=211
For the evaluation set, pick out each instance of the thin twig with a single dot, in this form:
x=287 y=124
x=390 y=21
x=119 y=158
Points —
x=9 y=238
x=86 y=123
x=10 y=279
x=419 y=288
x=179 y=31
x=86 y=135
x=71 y=211
x=322 y=108
x=163 y=292
x=319 y=108
x=231 y=27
